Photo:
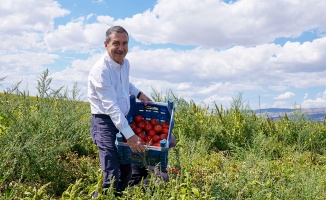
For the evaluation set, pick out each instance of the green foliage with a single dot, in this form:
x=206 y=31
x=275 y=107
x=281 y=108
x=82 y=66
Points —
x=47 y=153
x=223 y=128
x=41 y=138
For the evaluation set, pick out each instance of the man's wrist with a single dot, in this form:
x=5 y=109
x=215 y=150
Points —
x=139 y=93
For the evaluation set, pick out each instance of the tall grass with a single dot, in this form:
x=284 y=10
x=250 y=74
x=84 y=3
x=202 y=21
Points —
x=47 y=153
x=39 y=136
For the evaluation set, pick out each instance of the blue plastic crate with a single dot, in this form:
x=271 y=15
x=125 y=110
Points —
x=154 y=156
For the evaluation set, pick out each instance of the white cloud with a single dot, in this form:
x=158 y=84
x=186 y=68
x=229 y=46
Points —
x=78 y=35
x=34 y=15
x=239 y=65
x=318 y=102
x=218 y=101
x=105 y=20
x=24 y=66
x=184 y=86
x=76 y=73
x=285 y=95
x=280 y=104
x=306 y=57
x=25 y=62
x=99 y=1
x=217 y=24
x=23 y=22
x=89 y=16
x=208 y=72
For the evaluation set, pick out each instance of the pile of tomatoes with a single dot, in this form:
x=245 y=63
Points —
x=150 y=131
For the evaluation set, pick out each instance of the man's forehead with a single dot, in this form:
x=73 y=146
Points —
x=119 y=37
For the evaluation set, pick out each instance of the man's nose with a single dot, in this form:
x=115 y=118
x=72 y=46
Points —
x=120 y=47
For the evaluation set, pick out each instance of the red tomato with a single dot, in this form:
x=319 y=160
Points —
x=157 y=128
x=143 y=142
x=165 y=125
x=141 y=125
x=138 y=118
x=154 y=122
x=142 y=136
x=156 y=138
x=151 y=132
x=148 y=138
x=163 y=136
x=146 y=122
x=138 y=131
x=148 y=127
x=165 y=130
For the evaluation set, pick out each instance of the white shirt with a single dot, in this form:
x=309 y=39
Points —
x=109 y=90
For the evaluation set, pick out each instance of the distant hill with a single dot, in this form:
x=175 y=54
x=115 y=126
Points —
x=316 y=114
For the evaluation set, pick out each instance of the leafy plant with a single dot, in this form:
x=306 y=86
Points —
x=47 y=153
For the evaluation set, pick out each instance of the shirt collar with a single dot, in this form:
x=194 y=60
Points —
x=112 y=62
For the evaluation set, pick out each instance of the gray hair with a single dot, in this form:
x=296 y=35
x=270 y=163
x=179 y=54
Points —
x=114 y=29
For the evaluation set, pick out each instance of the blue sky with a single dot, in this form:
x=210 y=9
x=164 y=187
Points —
x=271 y=52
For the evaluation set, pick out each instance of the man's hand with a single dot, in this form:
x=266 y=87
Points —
x=135 y=145
x=145 y=99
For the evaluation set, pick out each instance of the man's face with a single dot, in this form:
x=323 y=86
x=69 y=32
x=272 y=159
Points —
x=117 y=48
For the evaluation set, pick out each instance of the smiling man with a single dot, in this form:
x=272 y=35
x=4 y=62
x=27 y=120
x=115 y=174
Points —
x=108 y=93
x=116 y=44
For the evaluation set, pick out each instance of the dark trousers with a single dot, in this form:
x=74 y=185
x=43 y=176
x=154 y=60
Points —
x=104 y=135
x=138 y=173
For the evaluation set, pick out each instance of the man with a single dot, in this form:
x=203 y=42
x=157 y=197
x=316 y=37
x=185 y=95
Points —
x=108 y=94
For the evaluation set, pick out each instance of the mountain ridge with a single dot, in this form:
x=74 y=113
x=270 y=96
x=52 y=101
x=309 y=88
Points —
x=316 y=114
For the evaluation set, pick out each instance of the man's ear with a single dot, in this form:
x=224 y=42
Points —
x=105 y=44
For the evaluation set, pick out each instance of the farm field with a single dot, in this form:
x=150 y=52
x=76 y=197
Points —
x=47 y=152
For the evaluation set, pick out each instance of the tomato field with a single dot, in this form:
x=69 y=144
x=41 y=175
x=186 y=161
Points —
x=221 y=153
